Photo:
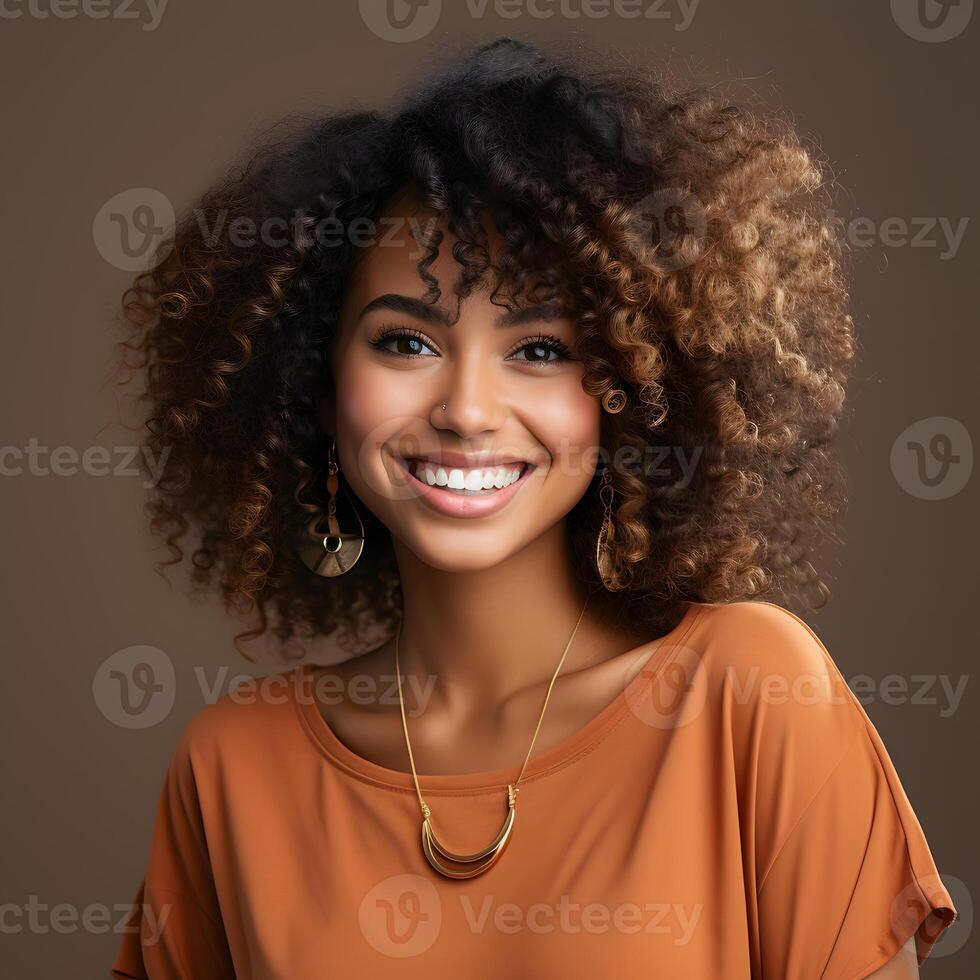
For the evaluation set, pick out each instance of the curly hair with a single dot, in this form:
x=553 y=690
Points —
x=689 y=233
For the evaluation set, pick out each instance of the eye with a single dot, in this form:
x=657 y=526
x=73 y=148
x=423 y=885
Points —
x=540 y=348
x=409 y=342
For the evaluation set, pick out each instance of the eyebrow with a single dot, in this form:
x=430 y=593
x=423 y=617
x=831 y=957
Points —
x=436 y=315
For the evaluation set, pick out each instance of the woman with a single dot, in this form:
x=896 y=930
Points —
x=525 y=391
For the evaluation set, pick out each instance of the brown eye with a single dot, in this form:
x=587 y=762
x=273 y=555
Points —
x=541 y=349
x=406 y=343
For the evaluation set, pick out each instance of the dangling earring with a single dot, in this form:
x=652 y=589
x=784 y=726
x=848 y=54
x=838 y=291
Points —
x=327 y=550
x=607 y=536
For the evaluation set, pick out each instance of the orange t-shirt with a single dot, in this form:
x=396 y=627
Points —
x=732 y=813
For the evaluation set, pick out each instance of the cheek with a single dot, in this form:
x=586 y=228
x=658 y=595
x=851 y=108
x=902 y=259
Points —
x=373 y=409
x=567 y=424
x=367 y=394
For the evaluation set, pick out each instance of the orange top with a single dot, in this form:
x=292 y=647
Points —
x=732 y=813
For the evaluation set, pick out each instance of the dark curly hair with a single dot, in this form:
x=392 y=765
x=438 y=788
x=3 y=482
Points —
x=688 y=233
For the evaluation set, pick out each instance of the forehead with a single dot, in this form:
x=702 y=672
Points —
x=405 y=234
x=395 y=243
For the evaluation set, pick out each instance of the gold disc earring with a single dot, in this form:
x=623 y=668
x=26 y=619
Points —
x=326 y=549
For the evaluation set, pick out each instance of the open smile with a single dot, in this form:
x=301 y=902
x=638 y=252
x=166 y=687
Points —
x=466 y=491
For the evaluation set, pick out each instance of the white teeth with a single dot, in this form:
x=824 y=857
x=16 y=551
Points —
x=485 y=480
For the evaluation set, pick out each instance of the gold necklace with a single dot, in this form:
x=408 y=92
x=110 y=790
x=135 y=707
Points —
x=476 y=863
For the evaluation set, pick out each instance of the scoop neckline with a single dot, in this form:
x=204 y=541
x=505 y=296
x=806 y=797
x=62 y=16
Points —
x=557 y=757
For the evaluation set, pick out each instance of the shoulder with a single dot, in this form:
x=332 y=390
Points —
x=758 y=632
x=771 y=676
x=764 y=641
x=255 y=715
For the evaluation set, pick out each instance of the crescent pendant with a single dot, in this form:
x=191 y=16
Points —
x=474 y=864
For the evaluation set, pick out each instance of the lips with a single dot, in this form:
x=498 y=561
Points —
x=466 y=500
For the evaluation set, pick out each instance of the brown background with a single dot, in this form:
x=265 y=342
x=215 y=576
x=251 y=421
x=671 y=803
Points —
x=94 y=107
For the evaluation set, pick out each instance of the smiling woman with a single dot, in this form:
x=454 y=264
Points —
x=434 y=432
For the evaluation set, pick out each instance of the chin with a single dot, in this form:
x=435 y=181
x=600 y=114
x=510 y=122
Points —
x=459 y=551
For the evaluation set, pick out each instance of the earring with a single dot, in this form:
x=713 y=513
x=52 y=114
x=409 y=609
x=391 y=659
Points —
x=327 y=550
x=614 y=401
x=607 y=536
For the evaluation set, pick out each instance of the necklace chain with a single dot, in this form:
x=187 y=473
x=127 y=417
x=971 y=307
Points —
x=512 y=788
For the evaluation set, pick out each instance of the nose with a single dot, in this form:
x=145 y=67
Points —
x=473 y=399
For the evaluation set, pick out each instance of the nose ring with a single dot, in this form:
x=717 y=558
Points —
x=443 y=406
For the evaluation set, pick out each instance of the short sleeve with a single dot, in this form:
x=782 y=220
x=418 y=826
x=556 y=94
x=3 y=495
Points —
x=174 y=929
x=848 y=878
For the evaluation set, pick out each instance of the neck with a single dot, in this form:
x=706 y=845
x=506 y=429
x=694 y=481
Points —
x=486 y=634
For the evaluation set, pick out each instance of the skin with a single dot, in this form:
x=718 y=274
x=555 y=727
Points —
x=475 y=679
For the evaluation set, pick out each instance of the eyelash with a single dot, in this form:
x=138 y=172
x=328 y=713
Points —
x=547 y=341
